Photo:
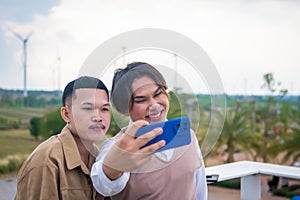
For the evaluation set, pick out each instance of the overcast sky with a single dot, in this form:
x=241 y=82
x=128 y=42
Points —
x=245 y=39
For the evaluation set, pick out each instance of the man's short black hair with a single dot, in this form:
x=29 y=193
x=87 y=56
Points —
x=82 y=82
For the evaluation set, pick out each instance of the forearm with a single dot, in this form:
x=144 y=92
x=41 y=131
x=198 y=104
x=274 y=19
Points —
x=106 y=185
x=106 y=180
x=201 y=185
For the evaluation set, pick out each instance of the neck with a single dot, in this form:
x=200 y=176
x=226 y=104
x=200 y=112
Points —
x=83 y=148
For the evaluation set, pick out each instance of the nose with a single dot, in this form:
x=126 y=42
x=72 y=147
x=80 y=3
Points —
x=152 y=101
x=97 y=116
x=154 y=106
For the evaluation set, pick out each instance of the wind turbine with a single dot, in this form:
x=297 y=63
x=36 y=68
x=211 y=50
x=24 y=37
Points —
x=58 y=69
x=24 y=41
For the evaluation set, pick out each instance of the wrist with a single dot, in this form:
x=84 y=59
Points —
x=111 y=173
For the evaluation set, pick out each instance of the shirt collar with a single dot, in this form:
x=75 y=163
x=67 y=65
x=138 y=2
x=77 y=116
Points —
x=70 y=149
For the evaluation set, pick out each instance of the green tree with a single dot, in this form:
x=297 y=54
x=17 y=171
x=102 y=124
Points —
x=270 y=112
x=291 y=145
x=235 y=133
x=53 y=123
x=35 y=127
x=47 y=125
x=272 y=85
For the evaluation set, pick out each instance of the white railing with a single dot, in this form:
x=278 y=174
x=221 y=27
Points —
x=250 y=172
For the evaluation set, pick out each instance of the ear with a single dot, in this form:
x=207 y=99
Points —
x=65 y=113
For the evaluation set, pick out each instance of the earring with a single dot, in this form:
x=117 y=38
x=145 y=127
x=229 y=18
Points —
x=68 y=123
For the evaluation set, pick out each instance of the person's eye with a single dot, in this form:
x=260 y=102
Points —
x=139 y=100
x=87 y=108
x=105 y=109
x=158 y=93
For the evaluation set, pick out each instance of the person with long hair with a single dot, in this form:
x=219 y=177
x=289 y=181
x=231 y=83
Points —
x=125 y=170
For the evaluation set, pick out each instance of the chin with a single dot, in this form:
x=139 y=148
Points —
x=96 y=136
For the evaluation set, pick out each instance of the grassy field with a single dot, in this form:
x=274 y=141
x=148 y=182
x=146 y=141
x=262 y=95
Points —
x=19 y=141
x=23 y=115
x=16 y=142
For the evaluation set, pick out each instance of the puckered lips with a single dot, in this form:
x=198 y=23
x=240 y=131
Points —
x=97 y=127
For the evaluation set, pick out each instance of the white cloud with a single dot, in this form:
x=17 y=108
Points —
x=244 y=39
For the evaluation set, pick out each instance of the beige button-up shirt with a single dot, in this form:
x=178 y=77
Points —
x=54 y=170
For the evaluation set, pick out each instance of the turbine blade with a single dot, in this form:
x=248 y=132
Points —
x=29 y=35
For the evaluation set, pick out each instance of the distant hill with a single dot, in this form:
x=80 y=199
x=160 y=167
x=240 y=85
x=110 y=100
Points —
x=42 y=98
x=37 y=93
x=232 y=100
x=35 y=98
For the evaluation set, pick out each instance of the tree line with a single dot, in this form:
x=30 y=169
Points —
x=263 y=127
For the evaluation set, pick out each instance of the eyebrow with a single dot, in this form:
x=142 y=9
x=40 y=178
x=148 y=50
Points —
x=91 y=104
x=140 y=97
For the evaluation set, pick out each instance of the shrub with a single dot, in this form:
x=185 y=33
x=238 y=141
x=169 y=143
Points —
x=35 y=126
x=53 y=123
x=290 y=191
x=8 y=123
x=233 y=184
x=11 y=163
x=46 y=126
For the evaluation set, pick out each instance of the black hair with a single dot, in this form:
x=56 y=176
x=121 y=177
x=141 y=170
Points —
x=82 y=82
x=121 y=92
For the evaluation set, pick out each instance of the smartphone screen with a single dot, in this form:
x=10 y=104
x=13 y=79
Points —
x=176 y=133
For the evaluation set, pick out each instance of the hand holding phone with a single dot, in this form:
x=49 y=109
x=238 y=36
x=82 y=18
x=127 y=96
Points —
x=176 y=133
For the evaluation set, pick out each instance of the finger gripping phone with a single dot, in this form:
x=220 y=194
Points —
x=176 y=133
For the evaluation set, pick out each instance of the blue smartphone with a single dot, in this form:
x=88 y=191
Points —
x=176 y=133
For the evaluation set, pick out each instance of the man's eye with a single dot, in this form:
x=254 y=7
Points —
x=87 y=108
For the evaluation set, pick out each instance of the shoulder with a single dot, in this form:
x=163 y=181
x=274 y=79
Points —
x=51 y=147
x=47 y=151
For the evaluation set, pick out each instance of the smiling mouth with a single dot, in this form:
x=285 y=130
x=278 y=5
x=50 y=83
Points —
x=154 y=114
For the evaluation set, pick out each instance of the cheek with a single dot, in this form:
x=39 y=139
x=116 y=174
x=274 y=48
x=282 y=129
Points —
x=137 y=112
x=81 y=117
x=138 y=108
x=107 y=118
x=164 y=100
